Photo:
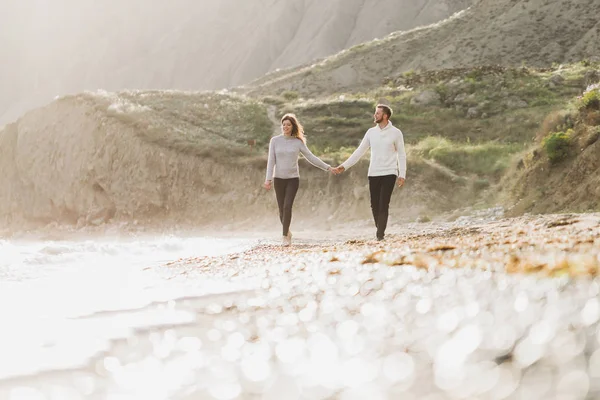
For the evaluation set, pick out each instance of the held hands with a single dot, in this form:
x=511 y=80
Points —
x=267 y=185
x=338 y=170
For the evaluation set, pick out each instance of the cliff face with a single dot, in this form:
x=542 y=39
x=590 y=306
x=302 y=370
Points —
x=71 y=46
x=491 y=32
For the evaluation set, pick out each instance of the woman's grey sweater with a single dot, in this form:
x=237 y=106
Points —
x=283 y=157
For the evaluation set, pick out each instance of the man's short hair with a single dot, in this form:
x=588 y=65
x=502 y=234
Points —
x=386 y=110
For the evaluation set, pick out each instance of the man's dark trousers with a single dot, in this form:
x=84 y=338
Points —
x=381 y=188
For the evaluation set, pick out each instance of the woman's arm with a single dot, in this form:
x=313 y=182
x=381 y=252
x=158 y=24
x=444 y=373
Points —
x=270 y=162
x=311 y=158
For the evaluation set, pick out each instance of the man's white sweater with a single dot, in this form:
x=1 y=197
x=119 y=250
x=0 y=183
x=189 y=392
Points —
x=388 y=156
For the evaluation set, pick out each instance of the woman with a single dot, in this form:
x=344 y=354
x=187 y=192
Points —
x=283 y=164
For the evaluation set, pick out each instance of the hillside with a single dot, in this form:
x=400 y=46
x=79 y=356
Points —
x=176 y=159
x=182 y=158
x=561 y=173
x=492 y=32
x=68 y=46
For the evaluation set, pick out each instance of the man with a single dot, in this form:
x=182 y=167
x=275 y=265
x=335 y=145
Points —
x=387 y=166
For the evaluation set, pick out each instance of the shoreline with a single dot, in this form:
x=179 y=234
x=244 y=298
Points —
x=260 y=228
x=524 y=242
x=465 y=308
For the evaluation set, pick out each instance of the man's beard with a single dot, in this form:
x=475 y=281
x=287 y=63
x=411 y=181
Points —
x=378 y=121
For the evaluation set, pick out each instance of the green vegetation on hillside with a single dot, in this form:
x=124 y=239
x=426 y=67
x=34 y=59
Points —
x=467 y=124
x=557 y=145
x=561 y=171
x=484 y=160
x=204 y=124
x=477 y=104
x=470 y=120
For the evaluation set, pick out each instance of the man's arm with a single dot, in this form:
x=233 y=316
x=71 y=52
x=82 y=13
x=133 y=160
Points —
x=358 y=153
x=401 y=153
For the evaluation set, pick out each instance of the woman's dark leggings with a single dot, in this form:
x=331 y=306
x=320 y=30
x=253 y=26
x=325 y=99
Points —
x=381 y=188
x=285 y=190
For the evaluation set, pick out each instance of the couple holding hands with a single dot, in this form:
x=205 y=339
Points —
x=387 y=166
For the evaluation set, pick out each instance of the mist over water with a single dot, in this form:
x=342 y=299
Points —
x=55 y=295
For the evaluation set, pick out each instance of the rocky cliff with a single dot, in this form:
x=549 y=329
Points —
x=491 y=32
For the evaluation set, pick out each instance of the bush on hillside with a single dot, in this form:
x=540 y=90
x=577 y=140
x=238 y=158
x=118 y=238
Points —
x=273 y=100
x=443 y=91
x=557 y=145
x=556 y=121
x=590 y=100
x=290 y=95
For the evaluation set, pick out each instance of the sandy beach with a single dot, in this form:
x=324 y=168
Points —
x=482 y=307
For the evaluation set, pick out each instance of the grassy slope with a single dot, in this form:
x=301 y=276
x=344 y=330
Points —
x=561 y=172
x=482 y=119
x=483 y=115
x=205 y=124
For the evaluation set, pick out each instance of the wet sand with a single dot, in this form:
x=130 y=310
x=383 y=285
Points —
x=477 y=308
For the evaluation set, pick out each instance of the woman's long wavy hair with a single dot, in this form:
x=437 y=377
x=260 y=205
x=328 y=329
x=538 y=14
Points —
x=297 y=128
